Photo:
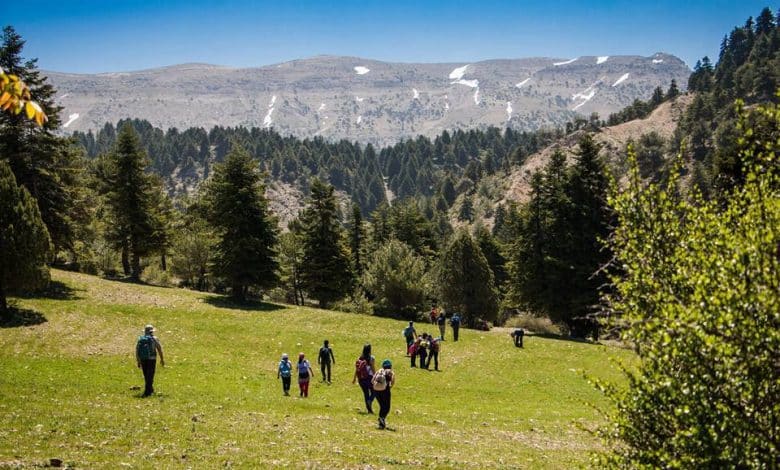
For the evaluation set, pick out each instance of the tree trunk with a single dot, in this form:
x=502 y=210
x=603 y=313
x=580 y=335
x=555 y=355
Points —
x=163 y=262
x=4 y=313
x=135 y=267
x=238 y=292
x=125 y=259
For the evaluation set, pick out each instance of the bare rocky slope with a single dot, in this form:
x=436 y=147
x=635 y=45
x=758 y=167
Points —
x=367 y=100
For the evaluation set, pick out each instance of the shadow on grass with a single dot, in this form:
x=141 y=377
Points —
x=17 y=317
x=56 y=291
x=562 y=338
x=251 y=305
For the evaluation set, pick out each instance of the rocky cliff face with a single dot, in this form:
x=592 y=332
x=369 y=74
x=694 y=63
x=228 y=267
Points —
x=366 y=100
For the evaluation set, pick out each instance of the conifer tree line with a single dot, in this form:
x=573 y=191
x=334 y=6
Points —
x=189 y=207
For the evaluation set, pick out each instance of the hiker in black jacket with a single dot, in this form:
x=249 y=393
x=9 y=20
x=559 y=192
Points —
x=325 y=359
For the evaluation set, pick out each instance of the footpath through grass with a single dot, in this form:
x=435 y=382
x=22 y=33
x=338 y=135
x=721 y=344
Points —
x=68 y=389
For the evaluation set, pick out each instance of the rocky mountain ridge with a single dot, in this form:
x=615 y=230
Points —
x=367 y=100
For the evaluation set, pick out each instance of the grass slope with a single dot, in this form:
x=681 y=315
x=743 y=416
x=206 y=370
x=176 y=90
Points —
x=66 y=389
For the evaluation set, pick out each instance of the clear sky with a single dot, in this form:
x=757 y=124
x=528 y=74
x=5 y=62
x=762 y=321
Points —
x=108 y=35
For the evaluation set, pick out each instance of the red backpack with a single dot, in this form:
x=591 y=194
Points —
x=362 y=368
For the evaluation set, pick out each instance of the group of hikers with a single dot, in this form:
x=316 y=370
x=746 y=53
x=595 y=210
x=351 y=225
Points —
x=375 y=382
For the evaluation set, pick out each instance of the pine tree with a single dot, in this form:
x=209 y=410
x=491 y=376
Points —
x=325 y=272
x=25 y=245
x=130 y=197
x=245 y=253
x=357 y=238
x=396 y=278
x=465 y=281
x=44 y=163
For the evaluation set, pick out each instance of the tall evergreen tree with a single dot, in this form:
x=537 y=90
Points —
x=245 y=253
x=44 y=163
x=25 y=245
x=465 y=280
x=130 y=197
x=325 y=268
x=357 y=240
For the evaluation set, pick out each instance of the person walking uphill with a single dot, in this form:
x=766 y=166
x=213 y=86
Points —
x=324 y=359
x=455 y=322
x=285 y=372
x=146 y=350
x=441 y=320
x=304 y=374
x=410 y=334
x=383 y=382
x=364 y=372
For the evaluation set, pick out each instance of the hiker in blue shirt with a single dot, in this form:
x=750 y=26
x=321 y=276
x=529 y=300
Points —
x=410 y=334
x=455 y=322
x=285 y=372
x=146 y=350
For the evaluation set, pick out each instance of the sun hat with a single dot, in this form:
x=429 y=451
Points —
x=148 y=329
x=285 y=356
x=386 y=364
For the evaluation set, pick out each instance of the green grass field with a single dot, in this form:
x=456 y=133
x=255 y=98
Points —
x=68 y=389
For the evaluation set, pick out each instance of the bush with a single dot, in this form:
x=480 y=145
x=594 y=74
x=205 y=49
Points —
x=355 y=303
x=533 y=323
x=697 y=289
x=154 y=275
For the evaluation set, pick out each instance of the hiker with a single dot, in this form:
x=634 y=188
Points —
x=382 y=383
x=364 y=372
x=413 y=350
x=455 y=323
x=422 y=351
x=304 y=374
x=433 y=315
x=518 y=336
x=146 y=350
x=324 y=359
x=409 y=334
x=285 y=372
x=435 y=346
x=441 y=320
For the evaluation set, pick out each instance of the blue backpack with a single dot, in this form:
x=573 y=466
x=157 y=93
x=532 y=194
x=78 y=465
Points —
x=285 y=368
x=145 y=349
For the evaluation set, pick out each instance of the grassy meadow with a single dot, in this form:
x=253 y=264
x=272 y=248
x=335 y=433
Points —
x=69 y=388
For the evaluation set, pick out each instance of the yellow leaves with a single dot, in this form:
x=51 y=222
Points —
x=15 y=97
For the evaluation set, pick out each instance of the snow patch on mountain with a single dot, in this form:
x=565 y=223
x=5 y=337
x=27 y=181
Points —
x=458 y=73
x=519 y=85
x=658 y=61
x=601 y=59
x=359 y=120
x=71 y=118
x=469 y=83
x=620 y=80
x=359 y=99
x=476 y=96
x=267 y=120
x=322 y=106
x=565 y=62
x=415 y=94
x=585 y=95
x=360 y=70
x=508 y=110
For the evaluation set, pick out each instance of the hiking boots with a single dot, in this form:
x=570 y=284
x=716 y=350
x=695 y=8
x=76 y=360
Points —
x=382 y=423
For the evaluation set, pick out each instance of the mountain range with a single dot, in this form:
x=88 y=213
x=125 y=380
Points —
x=366 y=100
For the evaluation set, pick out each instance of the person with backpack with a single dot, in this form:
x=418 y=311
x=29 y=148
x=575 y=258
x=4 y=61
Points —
x=455 y=323
x=304 y=374
x=517 y=335
x=422 y=350
x=433 y=315
x=285 y=372
x=434 y=347
x=364 y=372
x=412 y=352
x=324 y=359
x=441 y=320
x=382 y=382
x=410 y=334
x=146 y=350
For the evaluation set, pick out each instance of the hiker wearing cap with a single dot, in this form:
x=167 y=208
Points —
x=304 y=374
x=146 y=350
x=383 y=382
x=409 y=334
x=364 y=372
x=285 y=372
x=324 y=359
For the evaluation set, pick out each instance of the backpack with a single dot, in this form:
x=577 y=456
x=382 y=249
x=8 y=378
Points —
x=380 y=381
x=435 y=345
x=303 y=368
x=363 y=369
x=408 y=332
x=145 y=349
x=455 y=321
x=325 y=355
x=285 y=368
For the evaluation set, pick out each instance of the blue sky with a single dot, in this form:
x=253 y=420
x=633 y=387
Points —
x=103 y=36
